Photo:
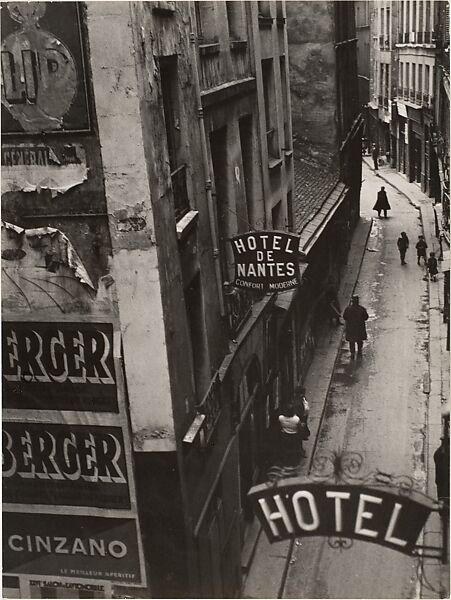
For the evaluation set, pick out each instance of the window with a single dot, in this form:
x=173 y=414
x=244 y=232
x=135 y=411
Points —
x=171 y=112
x=382 y=22
x=401 y=19
x=387 y=28
x=413 y=82
x=195 y=316
x=206 y=21
x=277 y=216
x=414 y=15
x=222 y=195
x=427 y=24
x=283 y=85
x=420 y=16
x=247 y=158
x=427 y=74
x=270 y=107
x=420 y=82
x=236 y=19
x=264 y=9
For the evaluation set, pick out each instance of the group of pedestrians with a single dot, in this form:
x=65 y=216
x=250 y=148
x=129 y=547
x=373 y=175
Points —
x=430 y=263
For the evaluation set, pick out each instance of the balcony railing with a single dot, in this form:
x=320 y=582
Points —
x=428 y=37
x=418 y=97
x=379 y=100
x=412 y=96
x=386 y=103
x=400 y=38
x=420 y=37
x=405 y=93
x=180 y=192
x=238 y=308
x=406 y=37
x=426 y=99
x=381 y=41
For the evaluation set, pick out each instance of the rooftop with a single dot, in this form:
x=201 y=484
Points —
x=313 y=182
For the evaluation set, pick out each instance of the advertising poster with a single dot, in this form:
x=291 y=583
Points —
x=43 y=72
x=69 y=499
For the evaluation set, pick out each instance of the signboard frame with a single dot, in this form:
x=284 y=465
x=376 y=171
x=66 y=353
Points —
x=82 y=97
x=67 y=418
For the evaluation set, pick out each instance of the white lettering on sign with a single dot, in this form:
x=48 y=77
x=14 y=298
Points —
x=250 y=242
x=314 y=522
x=275 y=516
x=391 y=527
x=338 y=497
x=79 y=357
x=299 y=513
x=63 y=545
x=70 y=456
x=363 y=514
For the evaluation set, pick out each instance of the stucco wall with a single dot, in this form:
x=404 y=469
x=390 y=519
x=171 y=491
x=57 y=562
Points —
x=134 y=258
x=312 y=75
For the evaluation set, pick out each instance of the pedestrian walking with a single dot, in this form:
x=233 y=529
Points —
x=432 y=266
x=375 y=155
x=421 y=249
x=382 y=202
x=403 y=244
x=302 y=409
x=290 y=442
x=355 y=316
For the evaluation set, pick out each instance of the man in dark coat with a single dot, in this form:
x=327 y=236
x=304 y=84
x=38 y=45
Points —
x=382 y=202
x=355 y=317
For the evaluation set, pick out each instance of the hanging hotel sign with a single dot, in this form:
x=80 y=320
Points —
x=295 y=508
x=266 y=261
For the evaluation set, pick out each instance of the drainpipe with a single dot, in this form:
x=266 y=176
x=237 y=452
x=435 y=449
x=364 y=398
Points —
x=206 y=166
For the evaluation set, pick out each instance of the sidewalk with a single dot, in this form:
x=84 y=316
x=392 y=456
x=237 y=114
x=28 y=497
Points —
x=266 y=575
x=437 y=387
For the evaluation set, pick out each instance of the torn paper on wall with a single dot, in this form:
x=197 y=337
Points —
x=52 y=244
x=36 y=167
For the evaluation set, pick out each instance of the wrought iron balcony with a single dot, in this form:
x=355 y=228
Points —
x=238 y=308
x=418 y=97
x=180 y=192
x=412 y=95
x=426 y=99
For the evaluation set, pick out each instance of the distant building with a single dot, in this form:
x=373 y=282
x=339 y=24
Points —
x=327 y=133
x=402 y=80
x=362 y=28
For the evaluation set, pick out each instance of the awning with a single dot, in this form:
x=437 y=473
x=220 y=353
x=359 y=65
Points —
x=313 y=230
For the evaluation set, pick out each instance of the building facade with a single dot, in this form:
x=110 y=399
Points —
x=403 y=74
x=327 y=139
x=362 y=26
x=133 y=168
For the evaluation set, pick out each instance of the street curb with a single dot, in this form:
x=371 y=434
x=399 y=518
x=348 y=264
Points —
x=370 y=227
x=312 y=453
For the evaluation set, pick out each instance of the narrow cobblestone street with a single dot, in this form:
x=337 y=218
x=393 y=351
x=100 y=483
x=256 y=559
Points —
x=375 y=406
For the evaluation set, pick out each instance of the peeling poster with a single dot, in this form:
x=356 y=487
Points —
x=36 y=167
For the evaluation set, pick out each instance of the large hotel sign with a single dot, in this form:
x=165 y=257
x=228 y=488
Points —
x=266 y=261
x=296 y=508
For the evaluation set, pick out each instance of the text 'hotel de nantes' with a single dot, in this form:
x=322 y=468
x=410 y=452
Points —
x=225 y=299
